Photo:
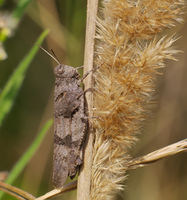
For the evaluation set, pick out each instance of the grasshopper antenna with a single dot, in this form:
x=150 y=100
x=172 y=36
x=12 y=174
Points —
x=54 y=57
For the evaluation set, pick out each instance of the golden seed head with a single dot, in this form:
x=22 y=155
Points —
x=130 y=56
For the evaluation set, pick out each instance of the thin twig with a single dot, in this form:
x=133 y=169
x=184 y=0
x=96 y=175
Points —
x=164 y=152
x=16 y=192
x=55 y=192
x=83 y=191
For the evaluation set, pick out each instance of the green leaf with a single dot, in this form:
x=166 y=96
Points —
x=13 y=85
x=20 y=9
x=22 y=162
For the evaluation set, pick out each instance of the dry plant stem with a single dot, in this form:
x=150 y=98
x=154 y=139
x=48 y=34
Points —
x=154 y=156
x=16 y=192
x=83 y=191
x=55 y=192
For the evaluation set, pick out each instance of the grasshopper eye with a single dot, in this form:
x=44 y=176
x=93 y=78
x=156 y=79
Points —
x=60 y=70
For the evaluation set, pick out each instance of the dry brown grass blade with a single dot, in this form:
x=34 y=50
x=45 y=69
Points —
x=16 y=192
x=22 y=195
x=154 y=156
x=55 y=192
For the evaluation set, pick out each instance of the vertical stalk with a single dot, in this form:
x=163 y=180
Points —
x=83 y=188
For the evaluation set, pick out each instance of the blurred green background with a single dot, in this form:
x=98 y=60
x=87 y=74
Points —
x=166 y=179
